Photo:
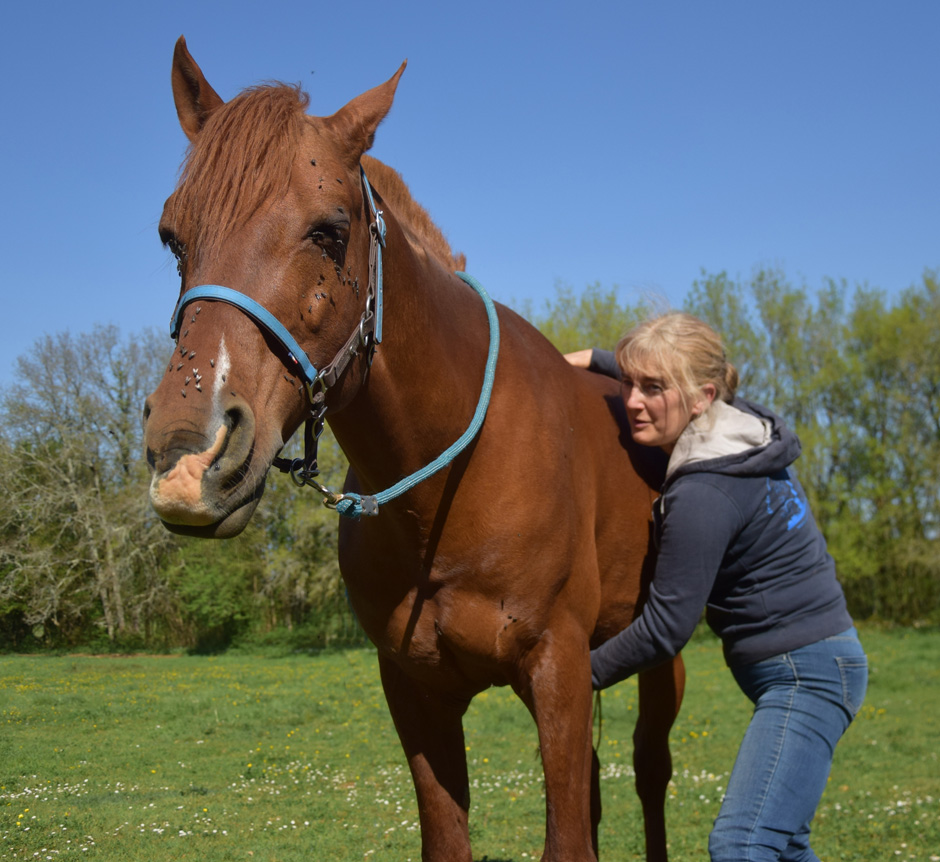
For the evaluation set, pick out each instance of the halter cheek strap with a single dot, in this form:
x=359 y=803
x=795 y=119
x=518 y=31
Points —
x=376 y=244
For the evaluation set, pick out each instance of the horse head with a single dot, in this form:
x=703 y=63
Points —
x=272 y=229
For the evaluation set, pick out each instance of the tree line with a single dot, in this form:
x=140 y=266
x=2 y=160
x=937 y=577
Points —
x=84 y=562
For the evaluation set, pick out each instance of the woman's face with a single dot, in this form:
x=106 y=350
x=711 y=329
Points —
x=657 y=414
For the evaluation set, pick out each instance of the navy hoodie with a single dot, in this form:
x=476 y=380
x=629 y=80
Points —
x=736 y=538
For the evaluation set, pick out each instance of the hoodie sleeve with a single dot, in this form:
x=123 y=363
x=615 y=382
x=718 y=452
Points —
x=699 y=524
x=604 y=362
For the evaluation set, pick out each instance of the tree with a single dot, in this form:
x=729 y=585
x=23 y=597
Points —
x=893 y=463
x=858 y=380
x=594 y=319
x=81 y=550
x=82 y=556
x=723 y=304
x=303 y=589
x=77 y=532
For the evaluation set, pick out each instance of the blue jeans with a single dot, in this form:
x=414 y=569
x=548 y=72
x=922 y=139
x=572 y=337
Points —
x=803 y=702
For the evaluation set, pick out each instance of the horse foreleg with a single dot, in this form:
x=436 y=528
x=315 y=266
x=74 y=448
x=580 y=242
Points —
x=431 y=732
x=661 y=691
x=557 y=692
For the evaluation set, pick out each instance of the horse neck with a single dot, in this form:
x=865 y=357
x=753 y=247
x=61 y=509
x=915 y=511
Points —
x=423 y=387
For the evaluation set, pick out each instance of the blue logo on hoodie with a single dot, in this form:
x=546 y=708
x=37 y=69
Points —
x=786 y=498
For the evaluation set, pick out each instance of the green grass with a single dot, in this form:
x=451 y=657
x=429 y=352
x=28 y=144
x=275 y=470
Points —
x=295 y=758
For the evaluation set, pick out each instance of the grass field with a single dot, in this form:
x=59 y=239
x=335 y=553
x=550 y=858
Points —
x=294 y=758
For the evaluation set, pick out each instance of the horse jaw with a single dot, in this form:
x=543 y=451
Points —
x=226 y=528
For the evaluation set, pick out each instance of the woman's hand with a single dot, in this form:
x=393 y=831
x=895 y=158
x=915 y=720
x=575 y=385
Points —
x=580 y=358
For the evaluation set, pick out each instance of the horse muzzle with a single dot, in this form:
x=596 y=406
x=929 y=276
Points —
x=204 y=482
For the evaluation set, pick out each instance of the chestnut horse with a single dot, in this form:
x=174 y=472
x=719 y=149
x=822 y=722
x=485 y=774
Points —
x=504 y=567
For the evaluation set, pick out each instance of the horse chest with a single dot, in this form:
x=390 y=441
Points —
x=447 y=636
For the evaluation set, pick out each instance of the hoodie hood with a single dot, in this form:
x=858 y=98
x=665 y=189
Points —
x=738 y=439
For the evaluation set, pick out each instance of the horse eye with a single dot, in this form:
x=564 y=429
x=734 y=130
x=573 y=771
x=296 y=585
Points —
x=330 y=238
x=325 y=233
x=177 y=249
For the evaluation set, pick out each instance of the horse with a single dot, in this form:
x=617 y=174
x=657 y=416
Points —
x=314 y=288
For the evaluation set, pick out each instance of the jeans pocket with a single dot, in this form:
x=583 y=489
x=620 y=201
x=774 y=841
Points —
x=854 y=673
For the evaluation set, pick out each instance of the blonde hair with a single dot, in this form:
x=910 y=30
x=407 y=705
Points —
x=682 y=351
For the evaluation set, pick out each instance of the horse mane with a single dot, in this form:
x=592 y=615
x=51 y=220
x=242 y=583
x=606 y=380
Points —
x=243 y=156
x=415 y=218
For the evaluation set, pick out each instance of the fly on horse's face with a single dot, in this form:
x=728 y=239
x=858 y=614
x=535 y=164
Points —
x=270 y=205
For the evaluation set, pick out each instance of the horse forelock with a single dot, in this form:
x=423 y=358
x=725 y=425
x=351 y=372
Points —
x=241 y=158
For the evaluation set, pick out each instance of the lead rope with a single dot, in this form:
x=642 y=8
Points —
x=353 y=505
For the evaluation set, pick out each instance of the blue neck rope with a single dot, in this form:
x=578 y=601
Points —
x=352 y=505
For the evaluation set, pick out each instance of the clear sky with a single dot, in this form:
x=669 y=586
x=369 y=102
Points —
x=628 y=143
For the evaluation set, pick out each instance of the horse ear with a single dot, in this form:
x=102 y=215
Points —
x=356 y=122
x=195 y=99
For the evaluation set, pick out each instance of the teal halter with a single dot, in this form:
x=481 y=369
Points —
x=367 y=335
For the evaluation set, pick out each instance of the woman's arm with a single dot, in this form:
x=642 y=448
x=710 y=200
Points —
x=594 y=359
x=699 y=525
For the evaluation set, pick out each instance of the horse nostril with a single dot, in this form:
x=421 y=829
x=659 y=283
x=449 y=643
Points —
x=233 y=460
x=234 y=417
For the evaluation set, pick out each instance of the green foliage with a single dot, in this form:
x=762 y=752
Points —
x=296 y=758
x=215 y=585
x=724 y=304
x=76 y=535
x=84 y=562
x=573 y=322
x=302 y=598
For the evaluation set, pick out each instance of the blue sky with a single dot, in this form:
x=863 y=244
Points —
x=631 y=144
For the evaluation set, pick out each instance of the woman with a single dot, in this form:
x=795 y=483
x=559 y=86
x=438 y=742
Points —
x=736 y=538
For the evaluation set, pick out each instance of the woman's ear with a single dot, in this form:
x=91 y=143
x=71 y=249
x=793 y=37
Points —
x=709 y=393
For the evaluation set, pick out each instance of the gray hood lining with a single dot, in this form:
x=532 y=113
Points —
x=722 y=430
